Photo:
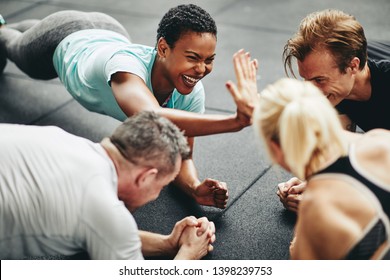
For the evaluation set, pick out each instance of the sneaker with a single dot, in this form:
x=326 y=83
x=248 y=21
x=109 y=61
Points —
x=2 y=20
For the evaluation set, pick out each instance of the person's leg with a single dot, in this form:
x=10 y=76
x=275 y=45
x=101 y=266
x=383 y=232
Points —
x=106 y=22
x=20 y=26
x=23 y=25
x=32 y=51
x=378 y=50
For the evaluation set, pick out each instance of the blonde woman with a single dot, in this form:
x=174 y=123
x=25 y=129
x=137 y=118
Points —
x=345 y=208
x=344 y=213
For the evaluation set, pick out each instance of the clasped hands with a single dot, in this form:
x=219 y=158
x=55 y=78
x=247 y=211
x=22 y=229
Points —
x=192 y=238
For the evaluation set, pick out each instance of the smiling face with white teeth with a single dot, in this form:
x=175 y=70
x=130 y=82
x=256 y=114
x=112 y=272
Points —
x=183 y=65
x=320 y=68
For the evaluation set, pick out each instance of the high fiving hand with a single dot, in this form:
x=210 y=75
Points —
x=245 y=92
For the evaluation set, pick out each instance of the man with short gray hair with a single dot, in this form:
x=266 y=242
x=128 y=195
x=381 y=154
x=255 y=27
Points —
x=61 y=194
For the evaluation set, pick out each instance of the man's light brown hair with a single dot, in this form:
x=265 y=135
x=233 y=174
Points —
x=339 y=33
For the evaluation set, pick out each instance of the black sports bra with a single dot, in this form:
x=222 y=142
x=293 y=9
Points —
x=376 y=235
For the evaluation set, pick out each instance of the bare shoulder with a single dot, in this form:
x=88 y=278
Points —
x=325 y=226
x=333 y=193
x=373 y=155
x=375 y=137
x=378 y=134
x=322 y=197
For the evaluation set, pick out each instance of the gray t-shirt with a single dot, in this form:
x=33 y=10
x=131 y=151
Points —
x=58 y=196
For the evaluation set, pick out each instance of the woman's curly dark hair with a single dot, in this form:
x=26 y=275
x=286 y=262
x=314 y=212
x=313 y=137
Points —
x=182 y=19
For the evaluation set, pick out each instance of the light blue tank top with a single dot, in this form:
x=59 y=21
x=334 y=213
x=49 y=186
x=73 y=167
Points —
x=85 y=61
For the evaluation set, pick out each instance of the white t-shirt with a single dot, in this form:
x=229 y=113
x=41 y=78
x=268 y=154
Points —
x=58 y=196
x=86 y=60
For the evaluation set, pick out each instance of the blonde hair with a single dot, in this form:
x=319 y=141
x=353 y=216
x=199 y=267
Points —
x=298 y=117
x=339 y=33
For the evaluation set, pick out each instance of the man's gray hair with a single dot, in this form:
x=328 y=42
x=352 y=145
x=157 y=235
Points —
x=151 y=140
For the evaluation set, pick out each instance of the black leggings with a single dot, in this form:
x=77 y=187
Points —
x=30 y=44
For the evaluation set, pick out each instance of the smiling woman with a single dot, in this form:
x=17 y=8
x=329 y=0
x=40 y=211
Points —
x=184 y=65
x=198 y=50
x=104 y=71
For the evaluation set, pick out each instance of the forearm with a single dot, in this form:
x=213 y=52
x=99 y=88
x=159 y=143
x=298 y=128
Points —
x=133 y=97
x=154 y=244
x=195 y=124
x=188 y=179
